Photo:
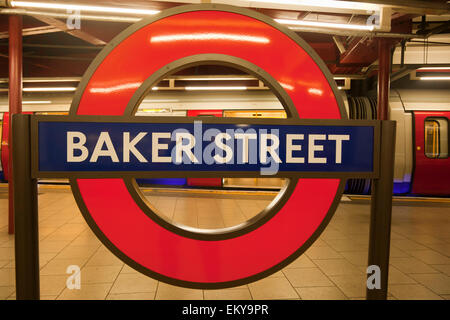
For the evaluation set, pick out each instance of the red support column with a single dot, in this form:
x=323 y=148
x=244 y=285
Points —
x=15 y=98
x=384 y=60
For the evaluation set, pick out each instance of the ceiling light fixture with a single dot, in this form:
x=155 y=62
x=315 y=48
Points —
x=351 y=5
x=216 y=88
x=434 y=78
x=213 y=78
x=154 y=110
x=292 y=24
x=433 y=68
x=49 y=89
x=36 y=102
x=317 y=24
x=61 y=6
x=160 y=100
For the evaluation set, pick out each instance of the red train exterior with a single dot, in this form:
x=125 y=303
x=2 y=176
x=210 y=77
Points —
x=5 y=145
x=431 y=176
x=419 y=174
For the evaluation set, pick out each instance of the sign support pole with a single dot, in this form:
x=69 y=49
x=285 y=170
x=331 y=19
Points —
x=381 y=211
x=26 y=213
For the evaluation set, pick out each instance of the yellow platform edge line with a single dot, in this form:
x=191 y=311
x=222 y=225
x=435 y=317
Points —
x=400 y=199
x=237 y=192
x=199 y=191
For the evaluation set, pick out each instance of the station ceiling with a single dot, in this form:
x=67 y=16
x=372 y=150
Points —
x=52 y=50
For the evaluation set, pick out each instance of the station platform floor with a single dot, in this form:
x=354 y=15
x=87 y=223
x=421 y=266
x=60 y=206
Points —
x=332 y=268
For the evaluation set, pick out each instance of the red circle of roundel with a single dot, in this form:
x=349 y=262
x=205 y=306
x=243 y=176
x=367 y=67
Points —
x=114 y=215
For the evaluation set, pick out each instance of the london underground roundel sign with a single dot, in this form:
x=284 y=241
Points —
x=107 y=147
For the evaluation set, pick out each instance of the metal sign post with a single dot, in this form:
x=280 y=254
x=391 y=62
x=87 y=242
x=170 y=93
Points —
x=381 y=210
x=26 y=217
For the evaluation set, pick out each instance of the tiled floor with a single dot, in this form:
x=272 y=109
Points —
x=207 y=212
x=333 y=268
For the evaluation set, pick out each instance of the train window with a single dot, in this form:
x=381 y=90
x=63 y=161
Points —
x=436 y=138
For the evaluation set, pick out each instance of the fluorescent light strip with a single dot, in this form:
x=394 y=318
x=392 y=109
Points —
x=215 y=88
x=88 y=17
x=160 y=100
x=36 y=102
x=37 y=80
x=324 y=4
x=30 y=80
x=312 y=3
x=434 y=78
x=433 y=68
x=46 y=5
x=318 y=24
x=49 y=89
x=154 y=110
x=224 y=78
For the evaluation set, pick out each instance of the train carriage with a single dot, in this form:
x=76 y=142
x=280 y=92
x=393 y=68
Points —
x=422 y=163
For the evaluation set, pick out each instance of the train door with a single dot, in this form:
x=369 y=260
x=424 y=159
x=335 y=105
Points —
x=432 y=162
x=204 y=182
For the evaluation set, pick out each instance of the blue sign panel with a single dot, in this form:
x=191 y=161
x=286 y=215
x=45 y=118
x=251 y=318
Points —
x=139 y=147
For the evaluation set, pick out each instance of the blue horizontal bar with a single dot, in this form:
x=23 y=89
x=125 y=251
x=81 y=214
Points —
x=109 y=146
